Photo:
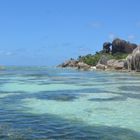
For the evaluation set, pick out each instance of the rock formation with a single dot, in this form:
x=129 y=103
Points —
x=83 y=66
x=69 y=63
x=133 y=60
x=102 y=63
x=116 y=64
x=101 y=66
x=136 y=59
x=130 y=47
x=103 y=60
x=106 y=47
x=75 y=64
x=129 y=62
x=119 y=45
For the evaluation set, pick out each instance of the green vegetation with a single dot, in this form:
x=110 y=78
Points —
x=119 y=56
x=90 y=59
x=93 y=59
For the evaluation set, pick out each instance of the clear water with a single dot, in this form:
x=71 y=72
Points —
x=49 y=103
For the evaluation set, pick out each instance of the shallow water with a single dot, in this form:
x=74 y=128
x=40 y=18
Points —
x=49 y=103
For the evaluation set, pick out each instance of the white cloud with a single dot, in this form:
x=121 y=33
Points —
x=95 y=24
x=1 y=52
x=84 y=49
x=131 y=37
x=9 y=53
x=6 y=53
x=66 y=44
x=138 y=24
x=111 y=36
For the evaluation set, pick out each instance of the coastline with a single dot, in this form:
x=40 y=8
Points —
x=99 y=70
x=120 y=55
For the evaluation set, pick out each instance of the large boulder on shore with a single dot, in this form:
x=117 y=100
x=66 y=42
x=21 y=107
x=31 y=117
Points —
x=133 y=60
x=116 y=64
x=83 y=66
x=75 y=64
x=103 y=60
x=69 y=63
x=119 y=45
x=100 y=67
x=130 y=63
x=136 y=59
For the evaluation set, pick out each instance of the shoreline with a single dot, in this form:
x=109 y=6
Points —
x=100 y=70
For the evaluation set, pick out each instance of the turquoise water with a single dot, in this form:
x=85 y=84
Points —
x=49 y=103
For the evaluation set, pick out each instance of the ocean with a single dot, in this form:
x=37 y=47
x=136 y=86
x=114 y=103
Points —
x=42 y=103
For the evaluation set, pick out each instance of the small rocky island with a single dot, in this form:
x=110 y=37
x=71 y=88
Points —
x=118 y=55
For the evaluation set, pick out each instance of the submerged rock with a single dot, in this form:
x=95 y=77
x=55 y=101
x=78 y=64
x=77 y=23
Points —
x=58 y=97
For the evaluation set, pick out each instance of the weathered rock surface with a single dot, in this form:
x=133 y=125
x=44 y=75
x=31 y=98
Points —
x=69 y=63
x=83 y=66
x=75 y=64
x=133 y=60
x=119 y=45
x=136 y=59
x=130 y=65
x=100 y=66
x=106 y=47
x=103 y=60
x=116 y=64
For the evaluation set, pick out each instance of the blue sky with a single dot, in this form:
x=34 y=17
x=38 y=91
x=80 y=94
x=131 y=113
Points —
x=47 y=32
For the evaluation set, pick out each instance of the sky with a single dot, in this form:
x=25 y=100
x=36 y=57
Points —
x=48 y=32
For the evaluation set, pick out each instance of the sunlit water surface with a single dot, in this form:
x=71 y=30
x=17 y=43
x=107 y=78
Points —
x=49 y=103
